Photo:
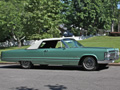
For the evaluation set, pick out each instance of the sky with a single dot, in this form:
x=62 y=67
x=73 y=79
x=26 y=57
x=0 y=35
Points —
x=118 y=6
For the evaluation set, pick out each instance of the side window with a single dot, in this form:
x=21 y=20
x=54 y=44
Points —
x=70 y=44
x=60 y=45
x=42 y=45
x=52 y=44
x=48 y=44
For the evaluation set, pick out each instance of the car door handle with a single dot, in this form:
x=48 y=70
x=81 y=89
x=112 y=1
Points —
x=45 y=50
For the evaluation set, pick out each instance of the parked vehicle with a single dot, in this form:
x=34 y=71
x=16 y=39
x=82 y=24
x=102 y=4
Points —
x=61 y=51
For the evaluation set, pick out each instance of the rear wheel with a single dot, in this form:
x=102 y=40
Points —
x=89 y=63
x=26 y=64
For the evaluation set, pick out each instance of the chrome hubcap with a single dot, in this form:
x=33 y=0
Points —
x=25 y=63
x=89 y=63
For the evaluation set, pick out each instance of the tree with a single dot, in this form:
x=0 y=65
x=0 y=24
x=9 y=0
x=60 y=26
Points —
x=43 y=16
x=119 y=17
x=84 y=14
x=3 y=33
x=112 y=12
x=11 y=20
x=90 y=15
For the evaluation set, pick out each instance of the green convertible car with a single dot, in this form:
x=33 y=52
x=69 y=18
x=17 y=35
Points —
x=61 y=51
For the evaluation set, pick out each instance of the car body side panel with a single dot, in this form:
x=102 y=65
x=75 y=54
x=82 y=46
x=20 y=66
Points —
x=59 y=56
x=62 y=56
x=23 y=55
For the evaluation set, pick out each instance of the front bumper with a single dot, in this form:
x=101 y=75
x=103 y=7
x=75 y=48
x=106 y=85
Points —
x=113 y=56
x=106 y=61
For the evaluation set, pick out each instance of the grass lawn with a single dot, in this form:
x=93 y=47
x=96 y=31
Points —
x=99 y=41
x=12 y=48
x=102 y=41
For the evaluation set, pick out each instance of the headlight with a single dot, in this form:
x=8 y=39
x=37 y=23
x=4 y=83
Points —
x=107 y=55
x=117 y=52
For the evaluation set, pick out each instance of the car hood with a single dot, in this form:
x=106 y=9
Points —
x=102 y=48
x=99 y=47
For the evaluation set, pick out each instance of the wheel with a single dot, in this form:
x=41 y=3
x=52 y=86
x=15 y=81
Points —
x=89 y=63
x=26 y=64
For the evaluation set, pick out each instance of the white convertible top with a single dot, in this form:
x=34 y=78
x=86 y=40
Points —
x=38 y=43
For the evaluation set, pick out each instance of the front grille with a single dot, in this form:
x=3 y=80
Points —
x=113 y=55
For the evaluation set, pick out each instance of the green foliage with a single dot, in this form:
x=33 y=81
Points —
x=90 y=15
x=25 y=18
x=39 y=36
x=11 y=20
x=43 y=16
x=75 y=31
x=51 y=33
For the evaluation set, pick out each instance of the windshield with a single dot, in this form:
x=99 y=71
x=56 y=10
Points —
x=71 y=43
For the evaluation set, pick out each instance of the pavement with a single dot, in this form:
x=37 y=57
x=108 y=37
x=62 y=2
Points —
x=114 y=64
x=12 y=77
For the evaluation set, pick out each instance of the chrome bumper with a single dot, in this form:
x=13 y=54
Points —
x=106 y=61
x=111 y=59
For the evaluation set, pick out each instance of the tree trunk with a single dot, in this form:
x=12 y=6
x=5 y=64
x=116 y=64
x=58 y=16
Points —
x=22 y=42
x=19 y=43
x=112 y=26
x=119 y=26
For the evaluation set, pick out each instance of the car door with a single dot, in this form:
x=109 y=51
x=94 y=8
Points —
x=55 y=53
x=36 y=56
x=56 y=56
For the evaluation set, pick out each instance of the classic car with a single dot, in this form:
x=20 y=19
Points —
x=61 y=51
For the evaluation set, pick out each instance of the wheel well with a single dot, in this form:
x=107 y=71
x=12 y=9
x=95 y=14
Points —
x=29 y=61
x=81 y=59
x=19 y=62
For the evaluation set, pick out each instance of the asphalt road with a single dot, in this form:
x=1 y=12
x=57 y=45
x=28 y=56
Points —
x=12 y=77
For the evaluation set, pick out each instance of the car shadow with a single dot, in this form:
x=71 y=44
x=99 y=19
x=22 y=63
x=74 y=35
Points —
x=23 y=88
x=76 y=68
x=51 y=87
x=56 y=87
x=73 y=68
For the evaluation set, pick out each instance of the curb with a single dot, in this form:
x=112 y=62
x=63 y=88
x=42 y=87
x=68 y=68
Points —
x=8 y=63
x=114 y=64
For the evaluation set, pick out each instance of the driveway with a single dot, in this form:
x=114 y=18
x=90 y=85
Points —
x=12 y=77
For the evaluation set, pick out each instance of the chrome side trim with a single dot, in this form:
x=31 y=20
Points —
x=36 y=59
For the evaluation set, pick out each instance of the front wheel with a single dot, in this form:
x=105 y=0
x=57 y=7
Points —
x=89 y=63
x=26 y=64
